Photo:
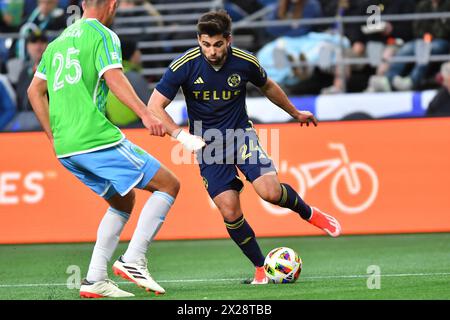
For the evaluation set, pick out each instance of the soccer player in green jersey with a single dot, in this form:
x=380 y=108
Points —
x=68 y=94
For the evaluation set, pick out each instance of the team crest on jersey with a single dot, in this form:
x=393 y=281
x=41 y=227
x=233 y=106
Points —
x=234 y=80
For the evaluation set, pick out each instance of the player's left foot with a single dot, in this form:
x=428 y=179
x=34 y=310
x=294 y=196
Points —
x=102 y=289
x=325 y=222
x=260 y=277
x=137 y=273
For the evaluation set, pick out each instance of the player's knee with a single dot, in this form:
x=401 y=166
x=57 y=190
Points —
x=230 y=211
x=125 y=203
x=129 y=204
x=230 y=215
x=271 y=195
x=175 y=187
x=172 y=187
x=128 y=209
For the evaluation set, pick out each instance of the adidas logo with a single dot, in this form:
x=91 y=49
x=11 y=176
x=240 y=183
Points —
x=134 y=272
x=199 y=81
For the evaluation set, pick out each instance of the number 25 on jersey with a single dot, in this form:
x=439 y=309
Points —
x=68 y=69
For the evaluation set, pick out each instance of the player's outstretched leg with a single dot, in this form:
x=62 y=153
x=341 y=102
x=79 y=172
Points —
x=132 y=265
x=290 y=199
x=269 y=188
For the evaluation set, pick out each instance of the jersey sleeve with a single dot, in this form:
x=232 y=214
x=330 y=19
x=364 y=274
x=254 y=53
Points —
x=41 y=70
x=258 y=75
x=108 y=53
x=171 y=81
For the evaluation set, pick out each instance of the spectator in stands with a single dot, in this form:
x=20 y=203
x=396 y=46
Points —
x=266 y=3
x=30 y=5
x=47 y=16
x=354 y=35
x=126 y=16
x=293 y=10
x=147 y=10
x=7 y=102
x=3 y=48
x=116 y=111
x=296 y=63
x=391 y=35
x=281 y=57
x=25 y=119
x=440 y=105
x=435 y=32
x=239 y=9
x=36 y=43
x=11 y=13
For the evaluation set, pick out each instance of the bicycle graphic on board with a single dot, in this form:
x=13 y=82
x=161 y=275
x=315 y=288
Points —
x=344 y=170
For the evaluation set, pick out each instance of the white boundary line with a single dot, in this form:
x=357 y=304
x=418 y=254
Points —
x=240 y=279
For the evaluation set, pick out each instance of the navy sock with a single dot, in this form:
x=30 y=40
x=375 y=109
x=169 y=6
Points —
x=243 y=235
x=290 y=199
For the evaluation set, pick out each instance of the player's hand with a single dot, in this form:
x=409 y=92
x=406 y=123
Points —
x=190 y=142
x=154 y=125
x=306 y=117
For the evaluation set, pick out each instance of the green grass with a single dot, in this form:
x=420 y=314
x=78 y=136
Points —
x=413 y=266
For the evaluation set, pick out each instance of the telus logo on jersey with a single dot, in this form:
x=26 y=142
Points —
x=215 y=95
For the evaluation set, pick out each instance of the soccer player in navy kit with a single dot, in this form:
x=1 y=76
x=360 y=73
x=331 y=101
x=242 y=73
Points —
x=213 y=77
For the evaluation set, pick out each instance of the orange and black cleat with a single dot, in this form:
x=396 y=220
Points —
x=325 y=222
x=260 y=277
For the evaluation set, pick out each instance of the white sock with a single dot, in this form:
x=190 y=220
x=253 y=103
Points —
x=108 y=235
x=149 y=223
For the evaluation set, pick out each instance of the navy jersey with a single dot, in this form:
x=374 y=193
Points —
x=217 y=98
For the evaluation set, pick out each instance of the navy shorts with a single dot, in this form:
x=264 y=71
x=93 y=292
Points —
x=220 y=160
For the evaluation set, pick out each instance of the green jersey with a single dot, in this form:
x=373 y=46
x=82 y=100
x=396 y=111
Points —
x=73 y=65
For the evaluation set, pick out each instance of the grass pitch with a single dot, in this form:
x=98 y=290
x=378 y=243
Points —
x=412 y=266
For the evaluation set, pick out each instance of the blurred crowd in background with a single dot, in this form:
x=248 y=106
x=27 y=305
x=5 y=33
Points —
x=301 y=58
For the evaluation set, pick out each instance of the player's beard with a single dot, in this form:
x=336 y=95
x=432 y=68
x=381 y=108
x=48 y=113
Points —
x=219 y=60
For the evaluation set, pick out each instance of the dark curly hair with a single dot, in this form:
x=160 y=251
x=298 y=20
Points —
x=214 y=23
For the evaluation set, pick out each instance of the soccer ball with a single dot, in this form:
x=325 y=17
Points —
x=283 y=265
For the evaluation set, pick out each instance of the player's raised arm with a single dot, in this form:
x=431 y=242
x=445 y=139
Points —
x=157 y=105
x=275 y=94
x=121 y=87
x=37 y=94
